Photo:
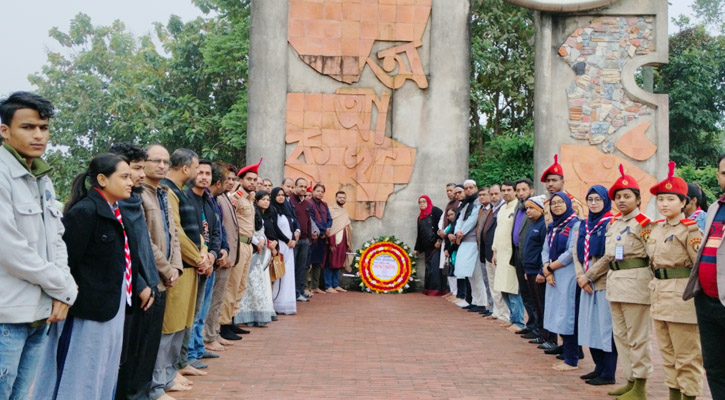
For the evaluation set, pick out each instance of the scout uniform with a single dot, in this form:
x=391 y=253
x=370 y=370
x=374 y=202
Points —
x=672 y=247
x=556 y=169
x=627 y=292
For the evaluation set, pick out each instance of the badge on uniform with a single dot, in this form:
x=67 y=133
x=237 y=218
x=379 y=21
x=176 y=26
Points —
x=618 y=252
x=695 y=243
x=670 y=238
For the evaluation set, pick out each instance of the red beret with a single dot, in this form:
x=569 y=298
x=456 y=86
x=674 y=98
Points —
x=250 y=168
x=624 y=182
x=554 y=169
x=309 y=188
x=672 y=184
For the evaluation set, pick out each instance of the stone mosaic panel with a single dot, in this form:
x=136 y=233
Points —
x=597 y=52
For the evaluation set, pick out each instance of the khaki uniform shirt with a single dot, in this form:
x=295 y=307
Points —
x=629 y=285
x=672 y=245
x=245 y=213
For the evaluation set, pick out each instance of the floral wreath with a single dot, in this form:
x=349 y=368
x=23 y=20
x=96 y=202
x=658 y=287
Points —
x=390 y=246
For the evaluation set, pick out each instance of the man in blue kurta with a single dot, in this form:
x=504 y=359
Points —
x=467 y=257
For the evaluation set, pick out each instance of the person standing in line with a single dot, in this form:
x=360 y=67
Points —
x=595 y=316
x=303 y=213
x=467 y=258
x=318 y=250
x=562 y=293
x=36 y=285
x=442 y=225
x=533 y=245
x=142 y=328
x=243 y=199
x=627 y=286
x=672 y=248
x=428 y=243
x=524 y=190
x=288 y=185
x=181 y=299
x=506 y=281
x=83 y=352
x=340 y=243
x=696 y=202
x=499 y=308
x=707 y=286
x=484 y=199
x=217 y=248
x=283 y=290
x=220 y=191
x=167 y=257
x=553 y=177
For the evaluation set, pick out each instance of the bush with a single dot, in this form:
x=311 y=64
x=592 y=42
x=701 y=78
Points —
x=504 y=157
x=706 y=177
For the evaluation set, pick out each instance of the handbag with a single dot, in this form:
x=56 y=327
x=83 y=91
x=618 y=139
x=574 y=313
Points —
x=277 y=269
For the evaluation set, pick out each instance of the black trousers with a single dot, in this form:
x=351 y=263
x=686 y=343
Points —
x=142 y=334
x=538 y=291
x=532 y=322
x=711 y=321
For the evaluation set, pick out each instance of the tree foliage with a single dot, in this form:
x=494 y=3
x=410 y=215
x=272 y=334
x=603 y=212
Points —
x=109 y=86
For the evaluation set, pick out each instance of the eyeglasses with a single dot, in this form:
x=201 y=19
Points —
x=159 y=161
x=558 y=203
x=595 y=200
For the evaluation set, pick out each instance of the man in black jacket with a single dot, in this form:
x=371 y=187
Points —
x=142 y=327
x=212 y=234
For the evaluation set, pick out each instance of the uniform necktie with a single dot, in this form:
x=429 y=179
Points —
x=127 y=256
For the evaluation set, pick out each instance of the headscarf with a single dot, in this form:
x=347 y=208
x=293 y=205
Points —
x=591 y=239
x=560 y=229
x=428 y=210
x=279 y=208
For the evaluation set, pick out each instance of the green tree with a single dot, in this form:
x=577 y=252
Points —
x=694 y=79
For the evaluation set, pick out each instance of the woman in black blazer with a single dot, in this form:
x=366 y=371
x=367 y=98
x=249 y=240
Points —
x=83 y=355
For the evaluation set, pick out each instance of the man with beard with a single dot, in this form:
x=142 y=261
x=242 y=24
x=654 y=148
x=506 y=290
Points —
x=506 y=281
x=467 y=256
x=484 y=198
x=220 y=190
x=267 y=185
x=243 y=198
x=522 y=226
x=500 y=311
x=340 y=242
x=142 y=326
x=553 y=177
x=211 y=233
x=318 y=250
x=288 y=185
x=442 y=225
x=303 y=212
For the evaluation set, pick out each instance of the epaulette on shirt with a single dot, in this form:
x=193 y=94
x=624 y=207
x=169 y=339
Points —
x=614 y=218
x=690 y=224
x=642 y=219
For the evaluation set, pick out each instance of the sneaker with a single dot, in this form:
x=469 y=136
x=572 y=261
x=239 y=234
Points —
x=461 y=303
x=300 y=298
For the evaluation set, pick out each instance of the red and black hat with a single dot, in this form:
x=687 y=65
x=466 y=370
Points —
x=312 y=184
x=624 y=182
x=672 y=184
x=554 y=169
x=250 y=168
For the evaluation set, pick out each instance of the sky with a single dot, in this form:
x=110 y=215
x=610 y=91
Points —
x=24 y=28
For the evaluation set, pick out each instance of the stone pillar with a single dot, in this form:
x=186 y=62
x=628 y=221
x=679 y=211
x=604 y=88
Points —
x=267 y=87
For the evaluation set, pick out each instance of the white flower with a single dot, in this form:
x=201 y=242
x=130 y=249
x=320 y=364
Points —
x=406 y=286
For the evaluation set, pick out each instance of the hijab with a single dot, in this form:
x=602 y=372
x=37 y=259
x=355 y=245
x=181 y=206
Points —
x=428 y=210
x=560 y=228
x=281 y=209
x=591 y=233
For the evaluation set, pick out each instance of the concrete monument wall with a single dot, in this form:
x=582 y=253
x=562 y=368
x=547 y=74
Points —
x=589 y=108
x=365 y=96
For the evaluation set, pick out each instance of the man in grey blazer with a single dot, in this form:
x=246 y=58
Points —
x=707 y=286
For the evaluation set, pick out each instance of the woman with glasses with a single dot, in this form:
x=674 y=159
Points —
x=627 y=291
x=595 y=318
x=560 y=304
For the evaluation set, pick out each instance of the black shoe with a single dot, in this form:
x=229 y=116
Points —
x=581 y=353
x=561 y=356
x=468 y=307
x=487 y=313
x=547 y=346
x=226 y=332
x=591 y=375
x=238 y=330
x=601 y=381
x=556 y=350
x=530 y=335
x=537 y=340
x=476 y=309
x=523 y=331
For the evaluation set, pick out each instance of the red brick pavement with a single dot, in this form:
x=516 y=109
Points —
x=369 y=346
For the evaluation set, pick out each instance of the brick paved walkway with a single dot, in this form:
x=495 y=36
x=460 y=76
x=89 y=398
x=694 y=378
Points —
x=367 y=346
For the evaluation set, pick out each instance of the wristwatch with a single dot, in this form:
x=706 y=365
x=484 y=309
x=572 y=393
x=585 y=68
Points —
x=548 y=268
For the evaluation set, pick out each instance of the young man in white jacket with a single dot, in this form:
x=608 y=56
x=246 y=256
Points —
x=36 y=287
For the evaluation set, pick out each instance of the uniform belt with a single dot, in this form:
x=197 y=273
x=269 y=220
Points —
x=629 y=263
x=245 y=239
x=673 y=273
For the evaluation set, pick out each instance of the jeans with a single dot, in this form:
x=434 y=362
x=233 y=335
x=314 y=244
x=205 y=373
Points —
x=196 y=344
x=711 y=321
x=20 y=350
x=516 y=306
x=302 y=249
x=332 y=278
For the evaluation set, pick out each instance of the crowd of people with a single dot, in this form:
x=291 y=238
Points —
x=564 y=274
x=156 y=263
